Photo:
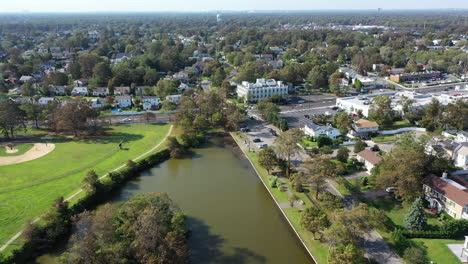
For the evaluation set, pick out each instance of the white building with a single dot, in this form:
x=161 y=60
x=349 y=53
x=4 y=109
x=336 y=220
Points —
x=100 y=91
x=124 y=101
x=79 y=91
x=45 y=100
x=261 y=89
x=150 y=102
x=314 y=130
x=97 y=102
x=174 y=98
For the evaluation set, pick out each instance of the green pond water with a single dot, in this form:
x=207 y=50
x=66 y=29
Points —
x=232 y=217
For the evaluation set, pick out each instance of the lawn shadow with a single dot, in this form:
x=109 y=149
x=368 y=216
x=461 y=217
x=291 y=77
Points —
x=206 y=247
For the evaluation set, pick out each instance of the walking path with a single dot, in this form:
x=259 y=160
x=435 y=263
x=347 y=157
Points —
x=81 y=190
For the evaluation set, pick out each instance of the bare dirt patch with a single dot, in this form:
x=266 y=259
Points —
x=10 y=150
x=37 y=151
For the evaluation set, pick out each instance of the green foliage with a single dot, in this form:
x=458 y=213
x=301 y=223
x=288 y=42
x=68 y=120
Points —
x=414 y=256
x=314 y=220
x=267 y=158
x=359 y=146
x=324 y=141
x=273 y=181
x=415 y=219
x=343 y=154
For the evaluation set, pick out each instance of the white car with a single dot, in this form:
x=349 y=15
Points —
x=127 y=119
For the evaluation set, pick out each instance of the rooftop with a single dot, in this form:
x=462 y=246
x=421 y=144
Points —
x=364 y=123
x=370 y=156
x=449 y=188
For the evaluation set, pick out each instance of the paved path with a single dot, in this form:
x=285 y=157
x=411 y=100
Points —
x=81 y=190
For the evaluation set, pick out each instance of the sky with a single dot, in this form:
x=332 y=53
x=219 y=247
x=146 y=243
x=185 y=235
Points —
x=217 y=5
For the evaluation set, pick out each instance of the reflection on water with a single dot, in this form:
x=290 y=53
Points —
x=232 y=217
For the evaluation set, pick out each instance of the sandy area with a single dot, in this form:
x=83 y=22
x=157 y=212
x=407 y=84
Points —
x=37 y=151
x=9 y=150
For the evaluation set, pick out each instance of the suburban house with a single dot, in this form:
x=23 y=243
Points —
x=462 y=136
x=363 y=127
x=182 y=87
x=448 y=194
x=57 y=90
x=45 y=100
x=205 y=85
x=369 y=158
x=182 y=76
x=123 y=101
x=457 y=151
x=97 y=102
x=100 y=91
x=261 y=89
x=24 y=79
x=150 y=102
x=81 y=82
x=174 y=98
x=314 y=130
x=79 y=91
x=122 y=90
x=121 y=57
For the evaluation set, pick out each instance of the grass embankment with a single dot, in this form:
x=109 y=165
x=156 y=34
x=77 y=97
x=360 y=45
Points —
x=28 y=189
x=23 y=148
x=319 y=250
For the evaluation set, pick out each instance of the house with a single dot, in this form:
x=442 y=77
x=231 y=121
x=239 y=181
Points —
x=150 y=102
x=314 y=130
x=122 y=90
x=457 y=151
x=25 y=79
x=174 y=98
x=100 y=91
x=460 y=158
x=182 y=87
x=205 y=85
x=369 y=158
x=121 y=57
x=97 y=102
x=57 y=90
x=462 y=136
x=45 y=100
x=181 y=76
x=123 y=101
x=79 y=91
x=81 y=82
x=447 y=194
x=363 y=127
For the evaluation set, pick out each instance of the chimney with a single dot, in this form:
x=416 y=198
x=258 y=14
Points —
x=444 y=175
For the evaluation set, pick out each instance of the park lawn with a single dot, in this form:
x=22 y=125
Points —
x=437 y=251
x=23 y=148
x=400 y=124
x=28 y=189
x=318 y=249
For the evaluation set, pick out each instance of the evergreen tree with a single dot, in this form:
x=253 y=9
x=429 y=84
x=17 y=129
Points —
x=416 y=217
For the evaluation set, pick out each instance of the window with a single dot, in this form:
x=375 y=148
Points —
x=452 y=204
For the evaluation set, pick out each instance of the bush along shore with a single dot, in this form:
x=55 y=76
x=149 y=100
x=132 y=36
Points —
x=54 y=226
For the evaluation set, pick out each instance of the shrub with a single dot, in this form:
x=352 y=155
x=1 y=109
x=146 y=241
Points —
x=399 y=241
x=414 y=256
x=326 y=150
x=273 y=181
x=455 y=228
x=323 y=141
x=343 y=154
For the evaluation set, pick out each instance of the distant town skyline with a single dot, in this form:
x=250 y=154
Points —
x=214 y=5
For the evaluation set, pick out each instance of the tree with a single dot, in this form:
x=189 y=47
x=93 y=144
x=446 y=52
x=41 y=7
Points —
x=91 y=181
x=165 y=88
x=343 y=154
x=402 y=168
x=148 y=116
x=102 y=73
x=73 y=116
x=319 y=169
x=267 y=158
x=175 y=148
x=316 y=78
x=415 y=219
x=87 y=63
x=346 y=254
x=324 y=141
x=11 y=118
x=381 y=111
x=314 y=220
x=287 y=147
x=32 y=111
x=56 y=78
x=343 y=122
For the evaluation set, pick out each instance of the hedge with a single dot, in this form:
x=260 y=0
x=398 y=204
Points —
x=30 y=250
x=452 y=229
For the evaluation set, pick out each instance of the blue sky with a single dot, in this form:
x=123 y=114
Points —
x=214 y=5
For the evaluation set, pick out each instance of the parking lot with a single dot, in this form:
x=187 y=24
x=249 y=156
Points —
x=310 y=105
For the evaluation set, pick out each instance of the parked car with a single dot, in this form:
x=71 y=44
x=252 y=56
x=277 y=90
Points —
x=256 y=140
x=245 y=129
x=390 y=189
x=273 y=133
x=307 y=116
x=127 y=119
x=262 y=146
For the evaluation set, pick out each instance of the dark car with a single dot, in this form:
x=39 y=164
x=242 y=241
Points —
x=307 y=116
x=273 y=133
x=257 y=140
x=245 y=129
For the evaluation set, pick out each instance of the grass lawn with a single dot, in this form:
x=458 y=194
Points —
x=23 y=148
x=318 y=249
x=308 y=143
x=400 y=124
x=384 y=138
x=437 y=251
x=27 y=189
